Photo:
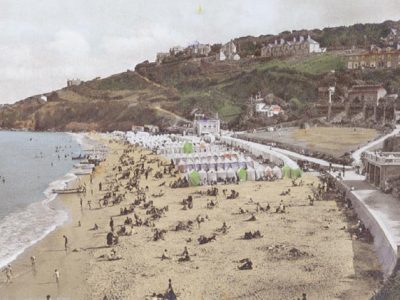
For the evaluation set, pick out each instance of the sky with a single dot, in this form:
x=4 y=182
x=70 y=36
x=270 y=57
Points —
x=43 y=43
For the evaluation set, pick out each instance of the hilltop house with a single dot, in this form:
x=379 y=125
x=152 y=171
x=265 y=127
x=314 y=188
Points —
x=392 y=39
x=161 y=56
x=197 y=49
x=268 y=110
x=228 y=52
x=74 y=82
x=299 y=46
x=176 y=49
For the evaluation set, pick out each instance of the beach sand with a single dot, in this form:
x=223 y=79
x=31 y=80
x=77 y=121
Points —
x=329 y=266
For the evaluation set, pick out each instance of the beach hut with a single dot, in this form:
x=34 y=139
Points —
x=181 y=166
x=212 y=164
x=221 y=174
x=230 y=174
x=234 y=162
x=249 y=162
x=194 y=178
x=260 y=172
x=220 y=162
x=269 y=172
x=251 y=174
x=211 y=176
x=295 y=173
x=286 y=171
x=242 y=174
x=242 y=161
x=188 y=147
x=203 y=177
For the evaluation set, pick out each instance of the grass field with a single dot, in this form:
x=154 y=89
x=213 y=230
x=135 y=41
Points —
x=315 y=64
x=334 y=140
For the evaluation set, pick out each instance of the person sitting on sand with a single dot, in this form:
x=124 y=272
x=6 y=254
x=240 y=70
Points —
x=185 y=255
x=247 y=264
x=165 y=255
x=170 y=294
x=252 y=218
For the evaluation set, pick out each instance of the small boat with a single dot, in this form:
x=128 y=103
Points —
x=82 y=171
x=80 y=189
x=84 y=166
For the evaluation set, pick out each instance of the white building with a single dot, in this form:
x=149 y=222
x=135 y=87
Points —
x=268 y=110
x=204 y=126
x=228 y=52
x=74 y=82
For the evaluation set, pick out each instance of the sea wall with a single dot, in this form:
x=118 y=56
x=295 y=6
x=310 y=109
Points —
x=386 y=250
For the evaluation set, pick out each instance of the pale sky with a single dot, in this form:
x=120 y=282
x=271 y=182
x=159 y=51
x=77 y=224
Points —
x=45 y=42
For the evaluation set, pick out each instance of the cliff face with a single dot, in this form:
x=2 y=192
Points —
x=157 y=94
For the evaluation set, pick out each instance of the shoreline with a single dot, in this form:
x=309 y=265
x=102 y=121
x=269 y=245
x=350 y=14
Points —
x=210 y=275
x=52 y=200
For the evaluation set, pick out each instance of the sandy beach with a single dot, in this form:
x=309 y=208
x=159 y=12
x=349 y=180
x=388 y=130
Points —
x=304 y=250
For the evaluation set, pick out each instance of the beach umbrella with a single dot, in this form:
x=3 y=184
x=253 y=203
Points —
x=286 y=171
x=188 y=147
x=194 y=178
x=251 y=174
x=242 y=174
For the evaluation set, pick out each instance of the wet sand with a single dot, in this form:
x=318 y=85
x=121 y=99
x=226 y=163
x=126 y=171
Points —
x=327 y=265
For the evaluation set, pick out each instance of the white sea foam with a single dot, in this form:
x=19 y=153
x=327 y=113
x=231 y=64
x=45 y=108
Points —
x=21 y=229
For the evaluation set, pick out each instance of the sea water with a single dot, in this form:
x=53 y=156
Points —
x=31 y=166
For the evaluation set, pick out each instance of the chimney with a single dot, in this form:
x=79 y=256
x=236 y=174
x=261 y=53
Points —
x=282 y=41
x=308 y=37
x=301 y=39
x=294 y=39
x=276 y=42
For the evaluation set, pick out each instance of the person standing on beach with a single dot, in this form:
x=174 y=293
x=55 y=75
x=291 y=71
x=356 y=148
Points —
x=112 y=224
x=33 y=263
x=100 y=186
x=81 y=201
x=8 y=271
x=89 y=204
x=57 y=275
x=65 y=242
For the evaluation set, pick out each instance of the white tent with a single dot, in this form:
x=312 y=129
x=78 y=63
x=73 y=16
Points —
x=181 y=166
x=203 y=177
x=277 y=172
x=269 y=172
x=249 y=162
x=259 y=172
x=211 y=176
x=251 y=174
x=242 y=161
x=230 y=174
x=221 y=174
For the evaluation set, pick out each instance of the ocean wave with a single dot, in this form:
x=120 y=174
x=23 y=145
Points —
x=22 y=229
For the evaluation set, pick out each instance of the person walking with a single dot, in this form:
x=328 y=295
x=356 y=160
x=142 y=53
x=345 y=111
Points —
x=57 y=276
x=65 y=242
